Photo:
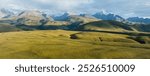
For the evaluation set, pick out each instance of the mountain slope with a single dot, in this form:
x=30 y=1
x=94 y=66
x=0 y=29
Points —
x=75 y=18
x=106 y=25
x=6 y=27
x=70 y=44
x=142 y=27
x=32 y=18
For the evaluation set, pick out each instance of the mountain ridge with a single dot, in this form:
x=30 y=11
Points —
x=99 y=15
x=37 y=20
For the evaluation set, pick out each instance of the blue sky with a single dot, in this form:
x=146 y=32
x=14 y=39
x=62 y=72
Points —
x=125 y=8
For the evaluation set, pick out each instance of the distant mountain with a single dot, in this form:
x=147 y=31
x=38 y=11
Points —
x=4 y=13
x=16 y=20
x=31 y=14
x=83 y=18
x=109 y=16
x=75 y=20
x=13 y=14
x=33 y=17
x=63 y=17
x=139 y=20
x=88 y=16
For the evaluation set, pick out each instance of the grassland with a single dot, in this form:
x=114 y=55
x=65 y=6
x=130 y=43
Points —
x=6 y=27
x=60 y=44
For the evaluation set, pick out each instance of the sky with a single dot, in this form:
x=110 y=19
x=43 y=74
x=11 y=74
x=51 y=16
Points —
x=125 y=8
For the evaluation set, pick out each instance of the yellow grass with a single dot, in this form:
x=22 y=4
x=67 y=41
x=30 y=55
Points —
x=60 y=44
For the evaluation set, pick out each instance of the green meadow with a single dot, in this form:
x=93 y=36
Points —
x=61 y=44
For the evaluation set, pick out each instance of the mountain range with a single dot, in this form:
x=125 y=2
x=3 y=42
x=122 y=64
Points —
x=139 y=20
x=7 y=13
x=35 y=19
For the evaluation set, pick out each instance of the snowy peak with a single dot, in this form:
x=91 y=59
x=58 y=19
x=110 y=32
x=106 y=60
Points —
x=4 y=13
x=109 y=16
x=32 y=13
x=36 y=15
x=32 y=17
x=139 y=20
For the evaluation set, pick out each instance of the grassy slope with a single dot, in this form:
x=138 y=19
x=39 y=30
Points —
x=106 y=25
x=144 y=28
x=84 y=20
x=70 y=44
x=6 y=27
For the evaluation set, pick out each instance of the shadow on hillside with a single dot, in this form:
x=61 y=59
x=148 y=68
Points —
x=41 y=27
x=126 y=33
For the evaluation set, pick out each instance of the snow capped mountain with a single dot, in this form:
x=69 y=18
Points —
x=32 y=17
x=139 y=20
x=108 y=16
x=73 y=18
x=36 y=15
x=31 y=14
x=4 y=13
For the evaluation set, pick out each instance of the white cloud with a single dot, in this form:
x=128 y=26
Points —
x=63 y=4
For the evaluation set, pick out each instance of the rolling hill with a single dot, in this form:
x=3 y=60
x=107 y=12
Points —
x=6 y=27
x=70 y=44
x=106 y=25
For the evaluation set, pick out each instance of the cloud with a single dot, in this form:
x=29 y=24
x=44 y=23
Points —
x=124 y=8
